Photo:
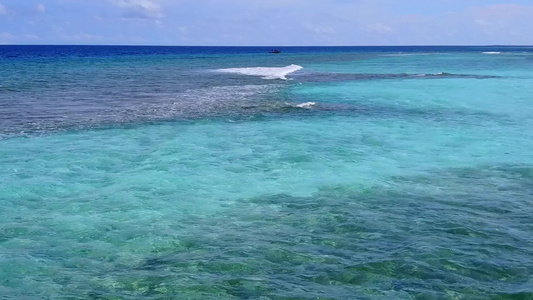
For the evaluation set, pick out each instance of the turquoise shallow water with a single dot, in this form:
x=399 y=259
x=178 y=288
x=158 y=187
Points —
x=147 y=173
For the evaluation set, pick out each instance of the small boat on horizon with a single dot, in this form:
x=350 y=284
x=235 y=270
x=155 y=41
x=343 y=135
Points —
x=274 y=51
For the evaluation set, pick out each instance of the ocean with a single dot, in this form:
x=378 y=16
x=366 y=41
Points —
x=234 y=173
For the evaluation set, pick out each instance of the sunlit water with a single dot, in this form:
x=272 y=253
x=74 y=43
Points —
x=199 y=173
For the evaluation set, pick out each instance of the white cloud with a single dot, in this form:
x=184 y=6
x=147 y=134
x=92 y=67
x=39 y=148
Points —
x=3 y=9
x=82 y=37
x=159 y=24
x=503 y=11
x=482 y=22
x=40 y=8
x=140 y=8
x=6 y=38
x=471 y=25
x=31 y=37
x=379 y=28
x=320 y=30
x=282 y=22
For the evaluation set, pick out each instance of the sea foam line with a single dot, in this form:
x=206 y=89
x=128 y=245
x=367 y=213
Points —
x=264 y=72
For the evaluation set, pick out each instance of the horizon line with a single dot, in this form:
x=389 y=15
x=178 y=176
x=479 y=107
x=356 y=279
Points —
x=260 y=46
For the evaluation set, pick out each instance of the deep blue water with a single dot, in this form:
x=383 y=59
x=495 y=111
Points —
x=232 y=173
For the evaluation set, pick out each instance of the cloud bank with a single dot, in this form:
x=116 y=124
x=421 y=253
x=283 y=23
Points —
x=140 y=8
x=274 y=22
x=3 y=9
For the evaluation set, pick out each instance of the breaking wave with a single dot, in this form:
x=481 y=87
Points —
x=264 y=72
x=306 y=105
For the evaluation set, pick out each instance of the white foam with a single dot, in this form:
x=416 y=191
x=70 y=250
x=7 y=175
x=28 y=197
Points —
x=306 y=105
x=433 y=74
x=491 y=52
x=400 y=54
x=264 y=72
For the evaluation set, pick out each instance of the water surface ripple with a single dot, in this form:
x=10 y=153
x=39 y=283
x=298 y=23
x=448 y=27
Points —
x=369 y=173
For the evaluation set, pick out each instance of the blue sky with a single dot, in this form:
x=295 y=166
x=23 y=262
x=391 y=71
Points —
x=267 y=22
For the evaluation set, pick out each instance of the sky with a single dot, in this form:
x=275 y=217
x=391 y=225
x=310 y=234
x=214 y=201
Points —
x=267 y=22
